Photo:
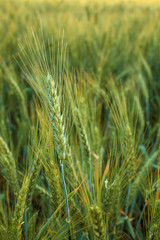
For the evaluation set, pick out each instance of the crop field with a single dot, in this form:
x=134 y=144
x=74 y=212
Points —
x=79 y=120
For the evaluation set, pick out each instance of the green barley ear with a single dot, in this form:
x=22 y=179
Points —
x=111 y=200
x=3 y=215
x=96 y=140
x=8 y=165
x=70 y=168
x=3 y=222
x=78 y=215
x=17 y=90
x=32 y=226
x=33 y=176
x=141 y=120
x=143 y=173
x=97 y=223
x=129 y=153
x=19 y=94
x=154 y=231
x=53 y=177
x=151 y=191
x=17 y=221
x=56 y=120
x=42 y=191
x=3 y=232
x=52 y=173
x=82 y=133
x=85 y=145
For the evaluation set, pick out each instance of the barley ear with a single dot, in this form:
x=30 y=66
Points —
x=154 y=231
x=143 y=173
x=53 y=177
x=7 y=162
x=82 y=133
x=129 y=153
x=111 y=201
x=17 y=221
x=85 y=145
x=56 y=120
x=97 y=223
x=33 y=176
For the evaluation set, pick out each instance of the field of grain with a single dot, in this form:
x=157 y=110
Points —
x=79 y=120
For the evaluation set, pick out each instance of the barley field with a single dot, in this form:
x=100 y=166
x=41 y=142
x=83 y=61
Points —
x=79 y=120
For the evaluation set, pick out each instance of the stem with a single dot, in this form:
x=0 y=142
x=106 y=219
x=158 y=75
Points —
x=132 y=205
x=65 y=191
x=49 y=201
x=141 y=215
x=25 y=224
x=127 y=204
x=90 y=180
